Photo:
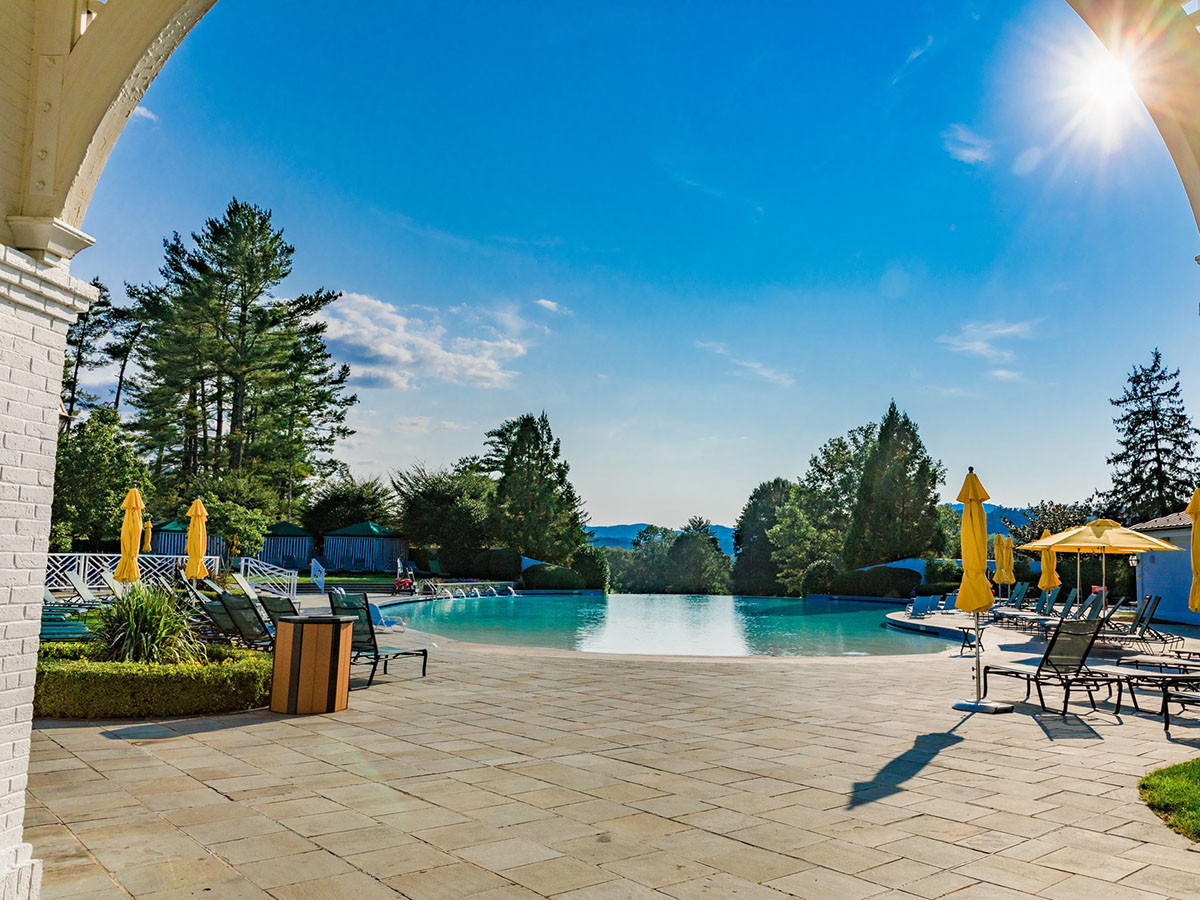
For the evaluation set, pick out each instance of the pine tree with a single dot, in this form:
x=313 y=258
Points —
x=84 y=338
x=1155 y=467
x=895 y=513
x=754 y=569
x=696 y=563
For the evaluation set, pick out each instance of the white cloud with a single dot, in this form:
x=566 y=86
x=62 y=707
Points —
x=753 y=367
x=550 y=305
x=981 y=338
x=386 y=348
x=915 y=54
x=966 y=146
x=141 y=112
x=1005 y=374
x=1027 y=160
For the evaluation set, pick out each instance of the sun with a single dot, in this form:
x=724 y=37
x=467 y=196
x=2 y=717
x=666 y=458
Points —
x=1110 y=83
x=1103 y=99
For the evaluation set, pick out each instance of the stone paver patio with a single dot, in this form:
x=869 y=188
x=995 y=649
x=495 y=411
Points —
x=507 y=775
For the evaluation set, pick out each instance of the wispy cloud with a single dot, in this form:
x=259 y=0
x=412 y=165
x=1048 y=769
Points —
x=966 y=146
x=909 y=61
x=1005 y=374
x=551 y=305
x=141 y=112
x=386 y=348
x=749 y=366
x=982 y=338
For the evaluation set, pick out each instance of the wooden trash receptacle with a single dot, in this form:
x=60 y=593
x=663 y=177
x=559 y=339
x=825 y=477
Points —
x=311 y=672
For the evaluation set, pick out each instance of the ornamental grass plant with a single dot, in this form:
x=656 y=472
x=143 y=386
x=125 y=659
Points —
x=147 y=625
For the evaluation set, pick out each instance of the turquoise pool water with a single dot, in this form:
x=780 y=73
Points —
x=675 y=624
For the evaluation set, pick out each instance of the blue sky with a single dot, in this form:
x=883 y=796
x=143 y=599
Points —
x=703 y=237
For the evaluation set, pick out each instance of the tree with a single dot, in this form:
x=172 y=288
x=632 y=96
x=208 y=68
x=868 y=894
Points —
x=696 y=563
x=127 y=326
x=755 y=570
x=1047 y=514
x=592 y=565
x=243 y=528
x=644 y=568
x=348 y=501
x=447 y=511
x=536 y=509
x=83 y=349
x=93 y=473
x=895 y=512
x=1155 y=467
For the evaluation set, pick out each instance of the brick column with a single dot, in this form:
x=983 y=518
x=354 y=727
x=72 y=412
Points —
x=37 y=303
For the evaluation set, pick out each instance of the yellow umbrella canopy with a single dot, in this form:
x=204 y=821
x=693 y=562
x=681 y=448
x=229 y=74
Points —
x=1193 y=510
x=975 y=594
x=146 y=548
x=131 y=536
x=1049 y=580
x=1101 y=536
x=197 y=541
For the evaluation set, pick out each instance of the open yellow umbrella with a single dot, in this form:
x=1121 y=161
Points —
x=1193 y=510
x=146 y=547
x=1103 y=536
x=197 y=541
x=1049 y=580
x=131 y=534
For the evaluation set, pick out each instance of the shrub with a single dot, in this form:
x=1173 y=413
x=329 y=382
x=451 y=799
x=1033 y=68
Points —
x=818 y=577
x=937 y=588
x=419 y=557
x=545 y=577
x=74 y=682
x=942 y=570
x=146 y=625
x=880 y=581
x=592 y=565
x=498 y=564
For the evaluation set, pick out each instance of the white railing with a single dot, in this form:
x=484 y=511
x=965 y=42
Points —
x=88 y=567
x=270 y=577
x=317 y=575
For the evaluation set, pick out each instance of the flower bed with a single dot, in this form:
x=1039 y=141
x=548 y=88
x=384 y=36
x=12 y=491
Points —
x=73 y=685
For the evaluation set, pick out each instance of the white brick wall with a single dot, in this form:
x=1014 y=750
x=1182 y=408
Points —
x=37 y=303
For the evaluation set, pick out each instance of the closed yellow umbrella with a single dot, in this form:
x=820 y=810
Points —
x=131 y=534
x=146 y=548
x=1193 y=510
x=1003 y=551
x=1049 y=580
x=197 y=541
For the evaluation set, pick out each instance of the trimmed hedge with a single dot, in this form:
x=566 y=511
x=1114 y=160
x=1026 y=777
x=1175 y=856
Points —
x=71 y=684
x=938 y=588
x=499 y=564
x=592 y=565
x=545 y=577
x=818 y=578
x=880 y=581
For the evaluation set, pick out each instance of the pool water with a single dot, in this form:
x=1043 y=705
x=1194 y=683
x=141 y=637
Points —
x=674 y=624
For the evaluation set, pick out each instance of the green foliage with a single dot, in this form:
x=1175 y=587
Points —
x=497 y=564
x=937 y=588
x=591 y=563
x=84 y=351
x=146 y=625
x=93 y=472
x=1047 y=515
x=536 y=509
x=950 y=524
x=755 y=569
x=696 y=563
x=819 y=577
x=1173 y=793
x=880 y=581
x=896 y=510
x=449 y=511
x=244 y=529
x=1155 y=467
x=942 y=570
x=73 y=682
x=348 y=501
x=548 y=577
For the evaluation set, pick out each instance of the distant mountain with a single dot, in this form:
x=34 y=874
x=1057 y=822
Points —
x=994 y=525
x=622 y=536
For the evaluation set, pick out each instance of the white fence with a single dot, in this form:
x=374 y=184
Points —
x=88 y=566
x=317 y=574
x=269 y=577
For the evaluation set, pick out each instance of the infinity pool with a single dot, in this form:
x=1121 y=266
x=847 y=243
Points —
x=674 y=624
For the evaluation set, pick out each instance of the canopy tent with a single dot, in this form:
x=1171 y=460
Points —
x=287 y=545
x=170 y=539
x=364 y=547
x=1102 y=536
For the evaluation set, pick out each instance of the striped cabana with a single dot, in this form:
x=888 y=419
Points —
x=287 y=545
x=170 y=539
x=365 y=547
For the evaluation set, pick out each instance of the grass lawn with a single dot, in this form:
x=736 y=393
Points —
x=1174 y=794
x=350 y=579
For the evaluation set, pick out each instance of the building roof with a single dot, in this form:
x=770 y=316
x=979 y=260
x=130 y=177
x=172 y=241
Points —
x=173 y=525
x=1162 y=523
x=364 y=529
x=287 y=529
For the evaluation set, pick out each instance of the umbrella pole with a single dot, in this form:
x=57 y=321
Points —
x=978 y=672
x=1104 y=578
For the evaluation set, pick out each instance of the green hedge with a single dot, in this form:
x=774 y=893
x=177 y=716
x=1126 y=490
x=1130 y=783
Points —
x=72 y=685
x=880 y=581
x=499 y=564
x=938 y=588
x=818 y=578
x=592 y=565
x=545 y=577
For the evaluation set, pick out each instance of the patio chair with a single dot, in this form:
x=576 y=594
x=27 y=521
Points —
x=277 y=606
x=249 y=623
x=214 y=622
x=82 y=592
x=61 y=622
x=364 y=644
x=115 y=587
x=1062 y=665
x=951 y=604
x=920 y=607
x=1016 y=617
x=254 y=592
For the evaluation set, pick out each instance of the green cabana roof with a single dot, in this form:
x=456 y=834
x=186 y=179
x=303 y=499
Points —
x=173 y=525
x=364 y=529
x=287 y=529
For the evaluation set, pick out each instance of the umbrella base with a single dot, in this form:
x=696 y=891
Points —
x=984 y=706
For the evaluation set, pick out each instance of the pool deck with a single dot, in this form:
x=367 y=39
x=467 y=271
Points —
x=510 y=774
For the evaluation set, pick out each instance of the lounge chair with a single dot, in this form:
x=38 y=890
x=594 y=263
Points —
x=115 y=587
x=82 y=592
x=1016 y=617
x=951 y=604
x=249 y=623
x=254 y=592
x=920 y=607
x=1062 y=665
x=62 y=623
x=277 y=607
x=364 y=644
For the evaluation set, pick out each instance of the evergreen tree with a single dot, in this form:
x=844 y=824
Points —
x=696 y=563
x=447 y=511
x=755 y=571
x=348 y=501
x=895 y=512
x=536 y=509
x=1155 y=467
x=84 y=351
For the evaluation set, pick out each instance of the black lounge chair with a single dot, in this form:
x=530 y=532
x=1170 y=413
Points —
x=1062 y=665
x=249 y=623
x=364 y=646
x=277 y=606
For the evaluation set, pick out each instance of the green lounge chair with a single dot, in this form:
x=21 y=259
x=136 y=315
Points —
x=115 y=587
x=82 y=592
x=277 y=607
x=246 y=619
x=364 y=644
x=1063 y=665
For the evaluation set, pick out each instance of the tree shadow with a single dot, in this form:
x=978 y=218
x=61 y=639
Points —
x=891 y=777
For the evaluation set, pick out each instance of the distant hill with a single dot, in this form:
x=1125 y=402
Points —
x=994 y=525
x=622 y=536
